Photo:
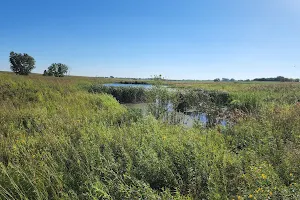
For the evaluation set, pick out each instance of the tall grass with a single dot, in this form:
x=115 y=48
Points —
x=58 y=141
x=122 y=94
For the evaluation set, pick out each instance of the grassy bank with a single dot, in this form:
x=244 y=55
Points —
x=58 y=141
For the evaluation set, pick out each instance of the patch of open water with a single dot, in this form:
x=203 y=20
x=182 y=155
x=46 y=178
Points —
x=187 y=119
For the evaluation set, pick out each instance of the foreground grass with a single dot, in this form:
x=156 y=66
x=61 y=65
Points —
x=57 y=141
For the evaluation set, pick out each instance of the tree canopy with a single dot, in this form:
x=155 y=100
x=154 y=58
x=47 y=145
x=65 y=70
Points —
x=57 y=69
x=21 y=64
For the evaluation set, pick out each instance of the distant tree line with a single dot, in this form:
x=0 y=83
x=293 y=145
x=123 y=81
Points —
x=224 y=80
x=278 y=79
x=23 y=64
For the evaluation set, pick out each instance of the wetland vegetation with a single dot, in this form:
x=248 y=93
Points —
x=70 y=138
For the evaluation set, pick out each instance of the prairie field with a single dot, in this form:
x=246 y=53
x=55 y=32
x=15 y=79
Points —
x=70 y=138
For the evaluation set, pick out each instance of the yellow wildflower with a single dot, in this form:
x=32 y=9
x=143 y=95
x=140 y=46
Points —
x=263 y=176
x=291 y=174
x=250 y=196
x=239 y=198
x=271 y=193
x=164 y=137
x=258 y=190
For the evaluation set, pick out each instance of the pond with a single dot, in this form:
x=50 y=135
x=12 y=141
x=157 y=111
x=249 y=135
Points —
x=188 y=119
x=147 y=86
x=167 y=113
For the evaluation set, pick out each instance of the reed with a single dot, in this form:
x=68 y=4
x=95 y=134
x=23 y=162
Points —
x=122 y=94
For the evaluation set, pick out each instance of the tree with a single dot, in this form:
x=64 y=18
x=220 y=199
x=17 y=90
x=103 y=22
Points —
x=217 y=80
x=281 y=78
x=57 y=69
x=21 y=64
x=51 y=70
x=158 y=77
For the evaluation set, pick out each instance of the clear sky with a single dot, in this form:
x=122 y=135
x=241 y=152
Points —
x=180 y=39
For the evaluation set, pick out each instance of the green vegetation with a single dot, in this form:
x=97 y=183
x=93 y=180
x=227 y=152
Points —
x=122 y=94
x=134 y=82
x=21 y=64
x=278 y=78
x=57 y=70
x=60 y=140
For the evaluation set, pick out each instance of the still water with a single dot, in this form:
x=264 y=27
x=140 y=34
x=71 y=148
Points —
x=188 y=119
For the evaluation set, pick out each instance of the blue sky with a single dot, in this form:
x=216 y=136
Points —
x=180 y=39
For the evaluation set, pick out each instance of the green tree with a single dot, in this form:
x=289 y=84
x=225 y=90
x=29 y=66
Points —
x=21 y=64
x=57 y=69
x=51 y=70
x=62 y=69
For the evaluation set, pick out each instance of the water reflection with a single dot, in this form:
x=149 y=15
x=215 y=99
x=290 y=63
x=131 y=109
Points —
x=188 y=119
